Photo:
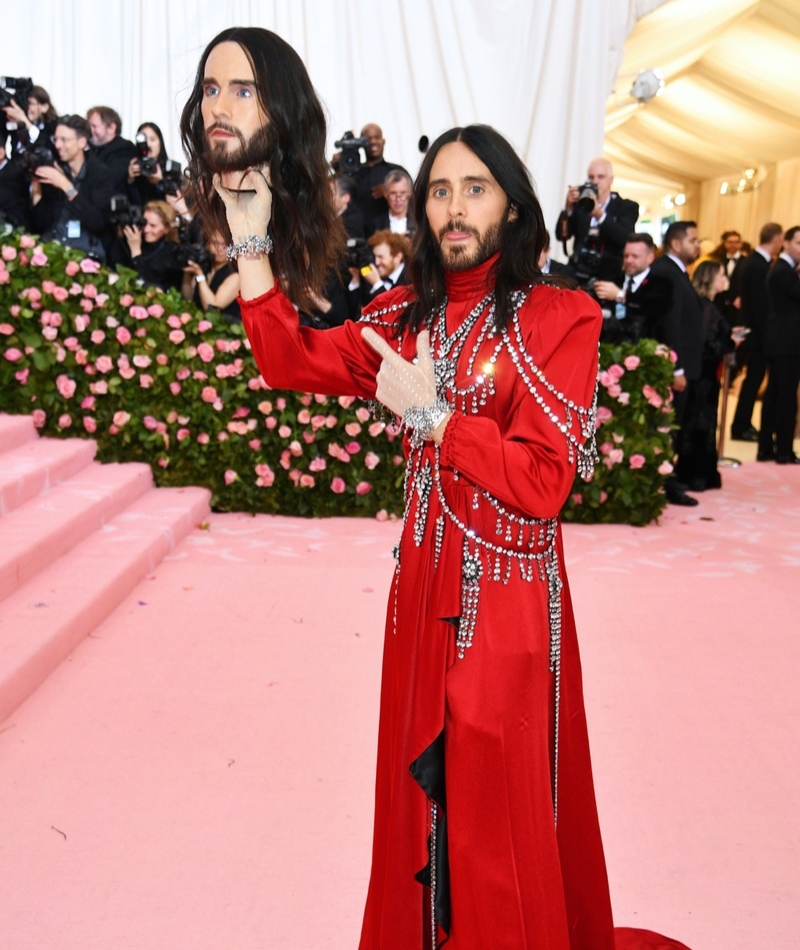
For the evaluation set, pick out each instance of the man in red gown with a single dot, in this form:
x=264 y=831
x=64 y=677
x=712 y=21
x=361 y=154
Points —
x=486 y=832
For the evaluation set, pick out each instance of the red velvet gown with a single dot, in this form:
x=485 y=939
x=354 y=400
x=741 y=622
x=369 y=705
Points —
x=485 y=817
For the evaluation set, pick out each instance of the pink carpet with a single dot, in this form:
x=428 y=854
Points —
x=198 y=774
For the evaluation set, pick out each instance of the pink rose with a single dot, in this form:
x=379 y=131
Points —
x=203 y=438
x=352 y=428
x=204 y=325
x=71 y=269
x=614 y=389
x=331 y=422
x=615 y=456
x=352 y=448
x=6 y=328
x=14 y=310
x=230 y=476
x=307 y=481
x=665 y=468
x=162 y=359
x=304 y=417
x=120 y=418
x=382 y=515
x=309 y=437
x=138 y=313
x=346 y=401
x=175 y=388
x=616 y=371
x=5 y=277
x=61 y=293
x=88 y=402
x=577 y=498
x=280 y=404
x=183 y=373
x=145 y=381
x=363 y=488
x=174 y=322
x=8 y=253
x=208 y=394
x=284 y=432
x=142 y=360
x=317 y=422
x=604 y=414
x=81 y=322
x=125 y=300
x=206 y=352
x=631 y=362
x=338 y=486
x=12 y=354
x=270 y=422
x=39 y=259
x=89 y=424
x=265 y=476
x=636 y=461
x=64 y=421
x=603 y=497
x=375 y=429
x=88 y=266
x=87 y=305
x=27 y=241
x=65 y=386
x=362 y=415
x=606 y=379
x=48 y=286
x=176 y=336
x=624 y=398
x=126 y=372
x=21 y=376
x=295 y=448
x=90 y=291
x=371 y=460
x=50 y=333
x=317 y=465
x=101 y=299
x=39 y=416
x=605 y=448
x=305 y=399
x=123 y=336
x=155 y=310
x=182 y=434
x=254 y=443
x=97 y=336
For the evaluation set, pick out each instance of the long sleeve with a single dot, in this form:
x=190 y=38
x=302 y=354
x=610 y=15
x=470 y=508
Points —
x=336 y=362
x=523 y=458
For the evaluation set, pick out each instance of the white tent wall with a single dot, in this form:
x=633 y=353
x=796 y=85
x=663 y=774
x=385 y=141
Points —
x=538 y=71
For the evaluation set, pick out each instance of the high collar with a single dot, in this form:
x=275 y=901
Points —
x=468 y=284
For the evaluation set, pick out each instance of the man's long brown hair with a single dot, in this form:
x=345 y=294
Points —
x=308 y=236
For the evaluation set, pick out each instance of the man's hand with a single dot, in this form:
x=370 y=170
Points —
x=379 y=191
x=134 y=238
x=248 y=205
x=606 y=290
x=157 y=175
x=679 y=382
x=17 y=114
x=52 y=175
x=134 y=169
x=572 y=197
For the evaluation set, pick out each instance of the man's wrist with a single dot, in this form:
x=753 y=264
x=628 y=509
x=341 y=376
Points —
x=70 y=192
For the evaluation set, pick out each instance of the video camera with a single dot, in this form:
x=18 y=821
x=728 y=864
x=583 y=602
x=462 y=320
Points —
x=349 y=158
x=124 y=214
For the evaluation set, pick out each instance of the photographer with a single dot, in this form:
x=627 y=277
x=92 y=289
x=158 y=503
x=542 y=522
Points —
x=370 y=177
x=35 y=119
x=72 y=197
x=15 y=205
x=390 y=252
x=151 y=249
x=109 y=147
x=213 y=283
x=600 y=222
x=146 y=170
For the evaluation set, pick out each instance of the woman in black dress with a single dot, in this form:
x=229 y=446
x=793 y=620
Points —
x=216 y=287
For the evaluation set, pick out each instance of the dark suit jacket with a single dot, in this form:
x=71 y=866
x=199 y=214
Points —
x=783 y=323
x=752 y=287
x=647 y=307
x=682 y=325
x=381 y=223
x=620 y=221
x=116 y=156
x=353 y=222
x=91 y=206
x=557 y=269
x=15 y=202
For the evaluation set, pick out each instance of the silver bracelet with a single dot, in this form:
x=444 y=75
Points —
x=253 y=245
x=421 y=421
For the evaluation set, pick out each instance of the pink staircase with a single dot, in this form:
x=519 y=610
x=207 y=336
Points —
x=75 y=538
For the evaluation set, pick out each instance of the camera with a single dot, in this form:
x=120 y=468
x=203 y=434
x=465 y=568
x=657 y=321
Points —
x=37 y=156
x=349 y=158
x=17 y=89
x=172 y=182
x=124 y=214
x=194 y=252
x=359 y=253
x=144 y=161
x=587 y=198
x=586 y=262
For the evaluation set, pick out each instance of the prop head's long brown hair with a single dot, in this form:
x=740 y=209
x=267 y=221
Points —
x=308 y=236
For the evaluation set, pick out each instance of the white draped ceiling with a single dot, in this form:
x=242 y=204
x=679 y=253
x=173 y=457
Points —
x=538 y=71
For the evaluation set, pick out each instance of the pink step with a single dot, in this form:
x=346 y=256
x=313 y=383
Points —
x=46 y=527
x=43 y=622
x=15 y=430
x=38 y=466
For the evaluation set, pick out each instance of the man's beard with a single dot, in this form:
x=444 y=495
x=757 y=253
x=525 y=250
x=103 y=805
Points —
x=250 y=154
x=458 y=258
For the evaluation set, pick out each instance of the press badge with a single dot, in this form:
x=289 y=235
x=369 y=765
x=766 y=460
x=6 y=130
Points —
x=73 y=229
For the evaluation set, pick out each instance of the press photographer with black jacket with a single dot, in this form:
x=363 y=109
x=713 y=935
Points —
x=150 y=250
x=72 y=198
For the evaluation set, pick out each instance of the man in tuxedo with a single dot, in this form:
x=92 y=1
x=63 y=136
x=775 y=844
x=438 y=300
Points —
x=600 y=231
x=754 y=306
x=779 y=414
x=643 y=301
x=681 y=328
x=391 y=252
x=398 y=218
x=370 y=188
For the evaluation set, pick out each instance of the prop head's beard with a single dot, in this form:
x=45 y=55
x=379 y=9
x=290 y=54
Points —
x=457 y=258
x=250 y=154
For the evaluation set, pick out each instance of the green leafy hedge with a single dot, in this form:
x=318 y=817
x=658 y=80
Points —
x=153 y=379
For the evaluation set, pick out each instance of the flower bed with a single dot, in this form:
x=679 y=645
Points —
x=153 y=379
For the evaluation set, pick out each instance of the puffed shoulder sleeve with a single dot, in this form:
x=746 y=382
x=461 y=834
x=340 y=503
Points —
x=527 y=457
x=337 y=362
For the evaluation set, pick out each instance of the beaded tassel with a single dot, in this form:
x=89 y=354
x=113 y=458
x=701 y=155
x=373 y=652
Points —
x=423 y=484
x=434 y=928
x=555 y=586
x=471 y=573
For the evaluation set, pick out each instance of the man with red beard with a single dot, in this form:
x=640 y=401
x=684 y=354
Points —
x=486 y=830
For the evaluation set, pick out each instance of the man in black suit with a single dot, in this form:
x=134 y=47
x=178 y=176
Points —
x=599 y=230
x=370 y=188
x=72 y=198
x=548 y=266
x=391 y=251
x=779 y=415
x=399 y=216
x=344 y=191
x=643 y=301
x=754 y=306
x=681 y=328
x=109 y=147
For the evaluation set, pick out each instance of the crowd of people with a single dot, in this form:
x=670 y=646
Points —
x=76 y=179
